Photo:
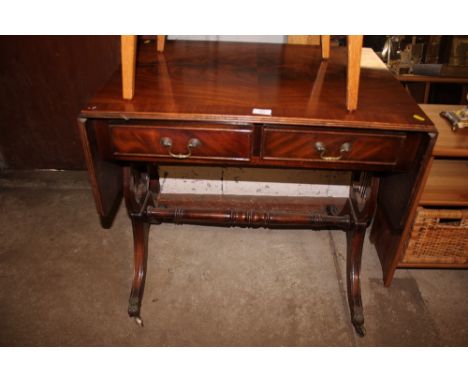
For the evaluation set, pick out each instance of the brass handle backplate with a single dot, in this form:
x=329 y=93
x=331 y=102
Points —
x=322 y=149
x=192 y=143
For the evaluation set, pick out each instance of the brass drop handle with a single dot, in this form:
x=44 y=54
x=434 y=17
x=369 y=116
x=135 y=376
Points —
x=192 y=143
x=320 y=147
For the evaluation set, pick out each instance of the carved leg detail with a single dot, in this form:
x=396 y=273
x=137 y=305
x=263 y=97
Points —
x=355 y=240
x=139 y=185
x=140 y=241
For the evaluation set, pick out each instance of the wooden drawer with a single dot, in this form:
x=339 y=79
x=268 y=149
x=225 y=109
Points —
x=182 y=141
x=323 y=145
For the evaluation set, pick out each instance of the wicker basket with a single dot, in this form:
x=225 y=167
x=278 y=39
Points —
x=438 y=237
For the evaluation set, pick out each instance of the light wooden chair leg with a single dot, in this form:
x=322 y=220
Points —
x=160 y=43
x=128 y=54
x=304 y=39
x=325 y=42
x=354 y=71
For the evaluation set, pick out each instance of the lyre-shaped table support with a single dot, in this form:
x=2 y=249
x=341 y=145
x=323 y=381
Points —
x=141 y=189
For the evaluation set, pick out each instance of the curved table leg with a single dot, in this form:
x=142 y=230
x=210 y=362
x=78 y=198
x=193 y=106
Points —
x=355 y=241
x=140 y=242
x=140 y=184
x=363 y=200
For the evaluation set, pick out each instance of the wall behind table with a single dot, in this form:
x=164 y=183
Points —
x=44 y=82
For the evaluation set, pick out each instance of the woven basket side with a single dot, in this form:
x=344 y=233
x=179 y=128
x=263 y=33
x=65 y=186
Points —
x=438 y=237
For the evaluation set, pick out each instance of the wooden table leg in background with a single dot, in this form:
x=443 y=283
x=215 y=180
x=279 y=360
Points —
x=353 y=71
x=427 y=89
x=161 y=40
x=128 y=51
x=325 y=42
x=464 y=95
x=128 y=54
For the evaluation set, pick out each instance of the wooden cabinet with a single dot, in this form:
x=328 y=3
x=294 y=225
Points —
x=439 y=236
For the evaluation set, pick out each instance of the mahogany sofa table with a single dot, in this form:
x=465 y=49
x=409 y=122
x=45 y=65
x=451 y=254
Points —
x=265 y=106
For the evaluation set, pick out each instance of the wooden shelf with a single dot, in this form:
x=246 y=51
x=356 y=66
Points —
x=439 y=79
x=446 y=188
x=447 y=184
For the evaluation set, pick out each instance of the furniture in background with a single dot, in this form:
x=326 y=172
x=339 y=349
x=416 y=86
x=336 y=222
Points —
x=322 y=40
x=409 y=79
x=129 y=53
x=304 y=39
x=263 y=106
x=439 y=236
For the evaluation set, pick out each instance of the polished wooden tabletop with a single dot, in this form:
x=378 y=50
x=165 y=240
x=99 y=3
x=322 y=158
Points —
x=224 y=81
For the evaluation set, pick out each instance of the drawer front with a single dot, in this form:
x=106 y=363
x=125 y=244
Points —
x=317 y=145
x=213 y=142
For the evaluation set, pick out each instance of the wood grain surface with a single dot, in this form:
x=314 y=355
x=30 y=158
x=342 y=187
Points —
x=447 y=184
x=212 y=81
x=128 y=48
x=44 y=83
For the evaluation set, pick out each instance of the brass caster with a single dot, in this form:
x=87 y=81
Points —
x=360 y=330
x=139 y=321
x=357 y=319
